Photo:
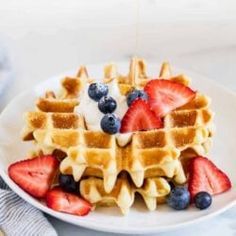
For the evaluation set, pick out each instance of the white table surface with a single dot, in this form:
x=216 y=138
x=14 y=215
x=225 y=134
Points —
x=49 y=37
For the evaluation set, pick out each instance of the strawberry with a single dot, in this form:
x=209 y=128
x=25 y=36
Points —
x=62 y=201
x=139 y=117
x=165 y=95
x=205 y=176
x=35 y=175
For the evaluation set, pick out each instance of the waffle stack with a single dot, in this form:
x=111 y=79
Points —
x=110 y=173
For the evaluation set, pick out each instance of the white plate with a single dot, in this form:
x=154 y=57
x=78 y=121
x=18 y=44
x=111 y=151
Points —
x=139 y=219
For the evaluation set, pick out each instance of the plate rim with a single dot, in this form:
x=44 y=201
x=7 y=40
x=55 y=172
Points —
x=94 y=226
x=105 y=228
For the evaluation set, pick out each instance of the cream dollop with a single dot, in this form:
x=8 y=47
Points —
x=88 y=108
x=123 y=139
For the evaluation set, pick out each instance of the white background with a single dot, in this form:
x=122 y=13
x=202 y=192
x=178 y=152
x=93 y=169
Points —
x=44 y=38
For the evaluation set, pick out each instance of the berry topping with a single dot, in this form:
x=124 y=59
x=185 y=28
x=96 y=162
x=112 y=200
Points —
x=165 y=95
x=67 y=183
x=202 y=200
x=179 y=198
x=67 y=202
x=139 y=117
x=35 y=175
x=110 y=124
x=205 y=176
x=97 y=90
x=135 y=94
x=107 y=104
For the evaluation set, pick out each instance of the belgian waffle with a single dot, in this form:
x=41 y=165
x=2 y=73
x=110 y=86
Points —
x=56 y=127
x=153 y=191
x=146 y=152
x=65 y=132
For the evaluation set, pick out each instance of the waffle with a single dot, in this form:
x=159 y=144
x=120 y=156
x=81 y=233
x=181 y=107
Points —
x=146 y=152
x=136 y=78
x=105 y=158
x=56 y=127
x=153 y=191
x=74 y=140
x=46 y=121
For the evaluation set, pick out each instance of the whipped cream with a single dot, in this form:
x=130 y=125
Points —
x=88 y=108
x=123 y=139
x=114 y=92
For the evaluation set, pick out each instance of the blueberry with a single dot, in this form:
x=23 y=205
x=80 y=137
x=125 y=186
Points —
x=97 y=90
x=179 y=198
x=136 y=94
x=107 y=104
x=67 y=183
x=110 y=124
x=202 y=200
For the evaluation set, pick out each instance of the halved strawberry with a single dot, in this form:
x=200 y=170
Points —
x=205 y=176
x=62 y=201
x=34 y=175
x=139 y=117
x=165 y=95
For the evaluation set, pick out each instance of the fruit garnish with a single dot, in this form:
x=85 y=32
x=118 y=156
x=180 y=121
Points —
x=139 y=117
x=205 y=176
x=179 y=198
x=67 y=183
x=202 y=200
x=107 y=104
x=135 y=94
x=97 y=90
x=61 y=201
x=35 y=175
x=164 y=95
x=110 y=124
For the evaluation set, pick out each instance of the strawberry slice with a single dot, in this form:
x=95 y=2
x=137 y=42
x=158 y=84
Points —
x=65 y=202
x=165 y=95
x=205 y=176
x=35 y=175
x=139 y=117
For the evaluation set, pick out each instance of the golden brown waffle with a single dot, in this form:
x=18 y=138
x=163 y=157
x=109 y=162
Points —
x=136 y=78
x=153 y=190
x=72 y=86
x=83 y=151
x=106 y=159
x=148 y=152
x=194 y=114
x=98 y=152
x=55 y=126
x=56 y=105
x=47 y=121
